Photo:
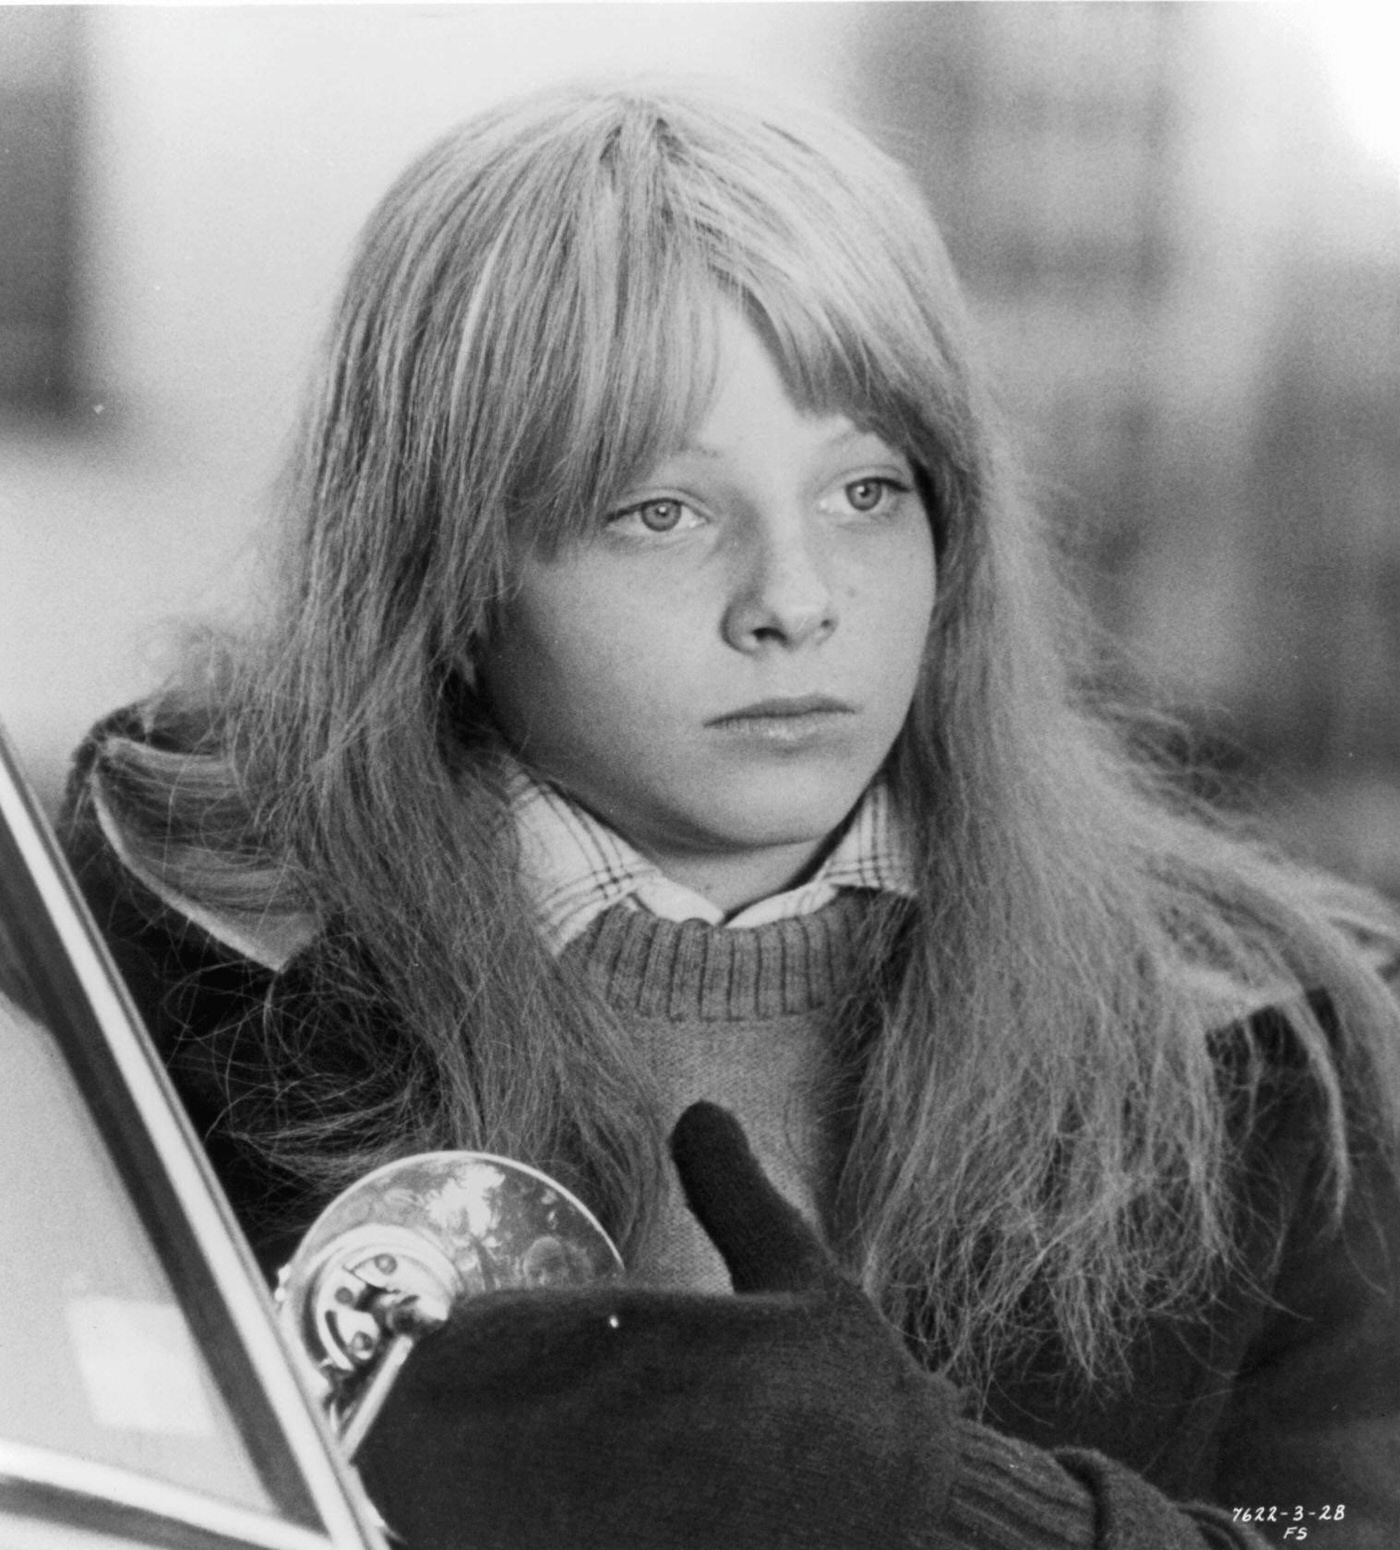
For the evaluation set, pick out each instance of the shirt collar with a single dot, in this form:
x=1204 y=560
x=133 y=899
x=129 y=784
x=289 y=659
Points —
x=574 y=866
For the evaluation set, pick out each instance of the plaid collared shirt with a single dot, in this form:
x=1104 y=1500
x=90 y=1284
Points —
x=575 y=866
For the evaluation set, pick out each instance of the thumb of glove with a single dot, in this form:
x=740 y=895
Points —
x=761 y=1236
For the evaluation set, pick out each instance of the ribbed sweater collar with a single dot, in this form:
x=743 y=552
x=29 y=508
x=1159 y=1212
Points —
x=687 y=970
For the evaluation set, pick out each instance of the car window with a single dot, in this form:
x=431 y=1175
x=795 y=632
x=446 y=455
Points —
x=144 y=1390
x=98 y=1360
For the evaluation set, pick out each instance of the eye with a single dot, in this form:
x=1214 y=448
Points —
x=662 y=515
x=872 y=493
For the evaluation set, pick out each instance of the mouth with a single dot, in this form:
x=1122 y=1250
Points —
x=803 y=707
x=788 y=728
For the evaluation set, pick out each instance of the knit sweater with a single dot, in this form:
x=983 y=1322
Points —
x=744 y=1018
x=1282 y=1395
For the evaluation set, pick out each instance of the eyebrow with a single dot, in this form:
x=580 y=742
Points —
x=836 y=439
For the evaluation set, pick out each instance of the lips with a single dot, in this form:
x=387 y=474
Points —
x=787 y=726
x=793 y=709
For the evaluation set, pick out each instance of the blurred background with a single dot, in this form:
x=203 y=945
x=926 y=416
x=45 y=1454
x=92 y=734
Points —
x=1179 y=225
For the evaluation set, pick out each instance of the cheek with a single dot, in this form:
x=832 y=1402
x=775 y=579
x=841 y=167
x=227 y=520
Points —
x=896 y=601
x=921 y=606
x=572 y=664
x=520 y=666
x=911 y=590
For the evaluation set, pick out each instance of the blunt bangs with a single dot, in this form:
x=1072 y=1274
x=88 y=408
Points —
x=624 y=223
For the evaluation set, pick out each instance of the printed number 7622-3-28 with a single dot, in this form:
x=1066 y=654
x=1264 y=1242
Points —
x=1295 y=1528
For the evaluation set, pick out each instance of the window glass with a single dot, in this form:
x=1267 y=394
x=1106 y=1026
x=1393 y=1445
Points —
x=97 y=1358
x=129 y=1334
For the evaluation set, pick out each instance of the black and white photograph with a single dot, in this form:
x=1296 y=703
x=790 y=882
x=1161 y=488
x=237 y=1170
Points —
x=700 y=776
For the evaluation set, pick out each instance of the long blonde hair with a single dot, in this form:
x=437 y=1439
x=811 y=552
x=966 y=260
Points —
x=1036 y=1119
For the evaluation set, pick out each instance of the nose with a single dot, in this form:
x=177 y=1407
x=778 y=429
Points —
x=783 y=594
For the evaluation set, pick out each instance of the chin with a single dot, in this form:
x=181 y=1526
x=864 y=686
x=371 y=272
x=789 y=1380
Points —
x=783 y=813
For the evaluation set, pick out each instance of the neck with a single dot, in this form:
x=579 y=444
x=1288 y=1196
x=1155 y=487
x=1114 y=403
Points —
x=734 y=880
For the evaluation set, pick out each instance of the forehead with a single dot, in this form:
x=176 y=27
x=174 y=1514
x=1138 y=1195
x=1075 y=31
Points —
x=750 y=397
x=686 y=377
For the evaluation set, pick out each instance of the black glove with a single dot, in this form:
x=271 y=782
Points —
x=788 y=1415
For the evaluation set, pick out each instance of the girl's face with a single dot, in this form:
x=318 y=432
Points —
x=721 y=666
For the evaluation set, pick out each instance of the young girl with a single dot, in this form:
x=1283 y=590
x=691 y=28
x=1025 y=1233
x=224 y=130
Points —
x=667 y=697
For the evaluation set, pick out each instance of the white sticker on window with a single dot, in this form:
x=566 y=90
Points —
x=140 y=1368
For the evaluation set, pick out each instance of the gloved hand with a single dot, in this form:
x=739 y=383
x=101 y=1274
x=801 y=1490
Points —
x=788 y=1415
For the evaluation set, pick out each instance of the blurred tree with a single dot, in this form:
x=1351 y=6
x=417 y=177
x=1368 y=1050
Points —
x=39 y=97
x=1189 y=285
